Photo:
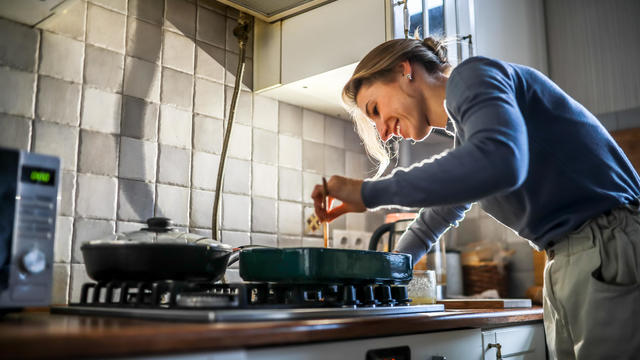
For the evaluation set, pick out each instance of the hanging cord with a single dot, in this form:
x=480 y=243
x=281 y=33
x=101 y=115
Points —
x=241 y=32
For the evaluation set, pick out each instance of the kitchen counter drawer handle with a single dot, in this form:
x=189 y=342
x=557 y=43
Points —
x=498 y=350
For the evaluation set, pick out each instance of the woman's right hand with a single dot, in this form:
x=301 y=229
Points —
x=341 y=188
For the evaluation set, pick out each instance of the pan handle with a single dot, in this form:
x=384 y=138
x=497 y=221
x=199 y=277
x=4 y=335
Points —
x=235 y=255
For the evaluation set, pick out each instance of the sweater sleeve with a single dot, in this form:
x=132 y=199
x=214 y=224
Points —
x=427 y=228
x=492 y=158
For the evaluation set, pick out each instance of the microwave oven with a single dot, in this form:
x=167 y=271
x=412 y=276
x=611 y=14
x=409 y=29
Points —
x=29 y=186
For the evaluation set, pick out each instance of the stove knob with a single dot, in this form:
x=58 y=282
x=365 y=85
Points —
x=383 y=294
x=349 y=295
x=34 y=261
x=367 y=295
x=400 y=294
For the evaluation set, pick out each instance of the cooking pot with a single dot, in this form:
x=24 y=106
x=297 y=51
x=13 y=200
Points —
x=156 y=252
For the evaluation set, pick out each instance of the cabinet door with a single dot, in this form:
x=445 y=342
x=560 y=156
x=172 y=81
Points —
x=523 y=342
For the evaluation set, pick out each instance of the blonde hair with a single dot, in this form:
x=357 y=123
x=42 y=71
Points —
x=380 y=64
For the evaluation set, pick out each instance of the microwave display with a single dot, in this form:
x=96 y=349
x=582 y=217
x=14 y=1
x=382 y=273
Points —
x=40 y=176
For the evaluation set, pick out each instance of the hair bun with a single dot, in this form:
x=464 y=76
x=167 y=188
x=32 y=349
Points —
x=437 y=48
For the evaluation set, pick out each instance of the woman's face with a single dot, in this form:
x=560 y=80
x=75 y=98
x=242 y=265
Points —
x=402 y=107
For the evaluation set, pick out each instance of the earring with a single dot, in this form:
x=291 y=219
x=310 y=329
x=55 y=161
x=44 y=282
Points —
x=409 y=77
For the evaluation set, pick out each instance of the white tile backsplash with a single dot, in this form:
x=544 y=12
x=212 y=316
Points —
x=265 y=113
x=144 y=40
x=178 y=52
x=205 y=170
x=62 y=243
x=207 y=134
x=173 y=203
x=55 y=47
x=19 y=43
x=105 y=28
x=16 y=132
x=175 y=127
x=289 y=151
x=20 y=100
x=236 y=212
x=101 y=111
x=240 y=142
x=312 y=126
x=265 y=180
x=237 y=176
x=209 y=62
x=135 y=200
x=289 y=218
x=138 y=159
x=209 y=98
x=103 y=68
x=174 y=165
x=142 y=79
x=201 y=208
x=58 y=140
x=289 y=184
x=58 y=101
x=264 y=215
x=96 y=196
x=181 y=17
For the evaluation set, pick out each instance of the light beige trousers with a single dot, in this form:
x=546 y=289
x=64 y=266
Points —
x=591 y=294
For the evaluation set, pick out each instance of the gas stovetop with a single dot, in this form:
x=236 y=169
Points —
x=210 y=302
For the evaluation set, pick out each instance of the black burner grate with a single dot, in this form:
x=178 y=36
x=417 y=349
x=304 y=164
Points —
x=177 y=294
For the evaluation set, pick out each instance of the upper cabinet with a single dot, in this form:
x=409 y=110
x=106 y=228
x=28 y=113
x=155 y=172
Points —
x=306 y=59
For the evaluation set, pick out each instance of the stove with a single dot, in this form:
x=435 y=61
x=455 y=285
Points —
x=216 y=302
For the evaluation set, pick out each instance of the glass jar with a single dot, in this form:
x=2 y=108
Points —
x=422 y=288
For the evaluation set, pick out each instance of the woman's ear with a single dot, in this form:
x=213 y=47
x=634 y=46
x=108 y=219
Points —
x=406 y=69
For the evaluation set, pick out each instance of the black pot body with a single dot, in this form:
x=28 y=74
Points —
x=153 y=261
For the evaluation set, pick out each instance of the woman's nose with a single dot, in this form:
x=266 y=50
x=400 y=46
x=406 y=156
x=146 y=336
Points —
x=383 y=129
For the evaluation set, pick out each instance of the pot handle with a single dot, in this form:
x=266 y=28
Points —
x=235 y=255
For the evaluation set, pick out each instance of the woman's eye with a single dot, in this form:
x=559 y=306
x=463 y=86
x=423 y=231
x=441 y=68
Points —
x=375 y=110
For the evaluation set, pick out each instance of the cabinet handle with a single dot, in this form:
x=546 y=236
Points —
x=498 y=350
x=438 y=357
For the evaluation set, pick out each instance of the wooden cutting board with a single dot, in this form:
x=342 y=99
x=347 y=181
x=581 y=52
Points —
x=485 y=303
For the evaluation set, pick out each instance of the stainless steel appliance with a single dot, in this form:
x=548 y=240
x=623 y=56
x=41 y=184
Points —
x=28 y=200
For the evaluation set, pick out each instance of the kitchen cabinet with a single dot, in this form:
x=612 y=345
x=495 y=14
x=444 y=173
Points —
x=525 y=342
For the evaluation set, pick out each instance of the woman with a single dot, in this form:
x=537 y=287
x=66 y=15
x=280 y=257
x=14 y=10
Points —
x=532 y=157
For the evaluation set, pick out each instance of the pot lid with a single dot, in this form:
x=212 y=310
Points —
x=160 y=230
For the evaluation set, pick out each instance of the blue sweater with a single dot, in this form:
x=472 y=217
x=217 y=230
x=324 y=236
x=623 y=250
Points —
x=530 y=155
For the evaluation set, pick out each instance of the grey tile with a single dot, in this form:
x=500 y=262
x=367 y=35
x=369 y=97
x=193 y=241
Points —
x=356 y=165
x=289 y=218
x=139 y=119
x=53 y=49
x=312 y=126
x=356 y=221
x=333 y=161
x=210 y=61
x=289 y=184
x=60 y=290
x=201 y=208
x=373 y=220
x=20 y=100
x=58 y=140
x=175 y=127
x=62 y=243
x=181 y=17
x=240 y=143
x=116 y=5
x=231 y=64
x=235 y=239
x=178 y=52
x=237 y=176
x=265 y=146
x=149 y=10
x=98 y=153
x=203 y=232
x=289 y=241
x=264 y=180
x=309 y=181
x=105 y=28
x=290 y=118
x=96 y=197
x=67 y=193
x=103 y=68
x=142 y=79
x=265 y=113
x=205 y=170
x=312 y=242
x=209 y=98
x=628 y=119
x=289 y=151
x=16 y=132
x=135 y=200
x=137 y=159
x=177 y=88
x=58 y=101
x=101 y=111
x=352 y=141
x=174 y=165
x=128 y=226
x=313 y=157
x=18 y=45
x=144 y=40
x=333 y=132
x=244 y=108
x=232 y=41
x=78 y=278
x=70 y=23
x=339 y=223
x=85 y=230
x=264 y=215
x=264 y=240
x=236 y=212
x=173 y=203
x=211 y=27
x=207 y=134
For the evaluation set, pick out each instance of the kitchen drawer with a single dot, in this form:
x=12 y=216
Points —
x=523 y=342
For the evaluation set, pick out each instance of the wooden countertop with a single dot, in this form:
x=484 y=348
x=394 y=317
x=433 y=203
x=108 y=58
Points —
x=44 y=335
